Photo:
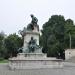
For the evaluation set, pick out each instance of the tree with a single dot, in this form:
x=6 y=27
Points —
x=13 y=42
x=2 y=48
x=53 y=36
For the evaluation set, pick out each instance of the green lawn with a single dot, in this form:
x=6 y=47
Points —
x=4 y=61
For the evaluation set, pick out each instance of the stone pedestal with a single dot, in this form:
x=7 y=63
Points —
x=34 y=61
x=31 y=55
x=27 y=38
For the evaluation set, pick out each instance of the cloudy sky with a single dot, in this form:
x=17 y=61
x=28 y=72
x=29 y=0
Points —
x=15 y=14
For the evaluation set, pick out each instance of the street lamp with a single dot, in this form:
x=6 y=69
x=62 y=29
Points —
x=70 y=39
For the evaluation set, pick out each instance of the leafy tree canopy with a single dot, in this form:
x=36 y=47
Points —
x=12 y=43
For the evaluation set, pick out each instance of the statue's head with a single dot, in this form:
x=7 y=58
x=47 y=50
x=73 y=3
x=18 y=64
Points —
x=32 y=15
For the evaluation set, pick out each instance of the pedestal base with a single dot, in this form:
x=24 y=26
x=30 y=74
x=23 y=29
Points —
x=34 y=61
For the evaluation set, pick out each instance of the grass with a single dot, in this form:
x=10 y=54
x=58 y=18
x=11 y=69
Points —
x=3 y=61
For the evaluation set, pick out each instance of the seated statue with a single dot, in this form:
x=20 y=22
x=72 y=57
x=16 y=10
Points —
x=33 y=23
x=34 y=19
x=32 y=45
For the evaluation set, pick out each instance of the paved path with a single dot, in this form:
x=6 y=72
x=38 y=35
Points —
x=72 y=59
x=68 y=69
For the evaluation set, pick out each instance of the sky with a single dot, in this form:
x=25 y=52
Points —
x=15 y=14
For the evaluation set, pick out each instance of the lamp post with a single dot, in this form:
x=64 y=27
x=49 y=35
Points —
x=70 y=40
x=70 y=37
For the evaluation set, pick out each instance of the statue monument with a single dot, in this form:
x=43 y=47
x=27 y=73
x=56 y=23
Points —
x=31 y=37
x=31 y=55
x=33 y=23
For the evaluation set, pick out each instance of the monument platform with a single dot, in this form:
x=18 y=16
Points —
x=32 y=56
x=34 y=61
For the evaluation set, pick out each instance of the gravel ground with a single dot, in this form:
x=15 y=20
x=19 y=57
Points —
x=68 y=69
